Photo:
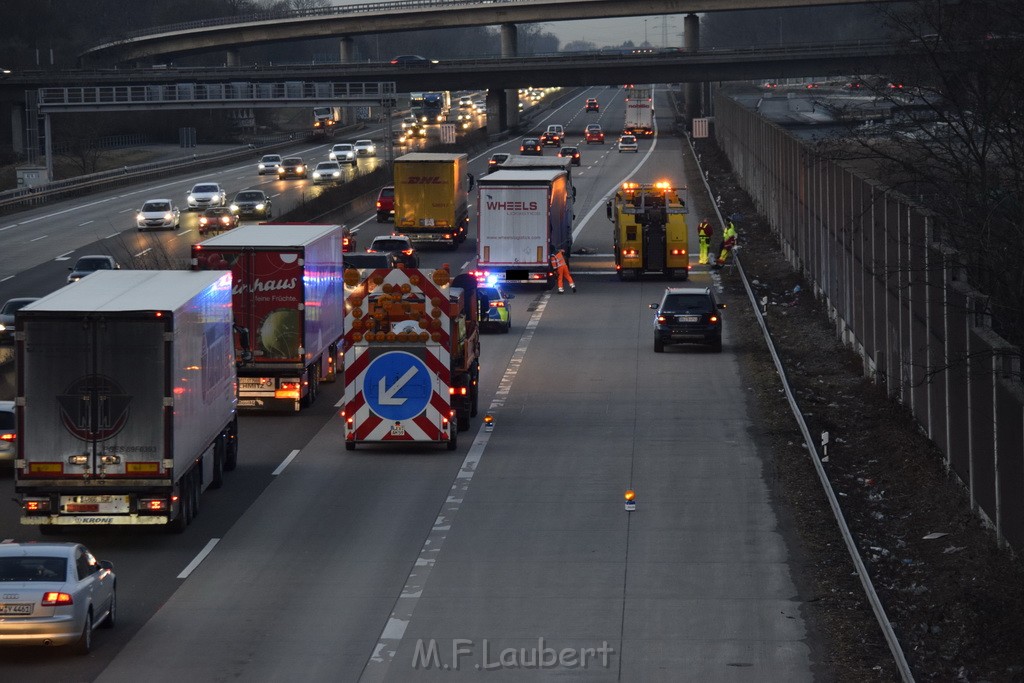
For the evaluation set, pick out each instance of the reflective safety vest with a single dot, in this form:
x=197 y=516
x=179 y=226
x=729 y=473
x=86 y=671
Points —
x=557 y=261
x=705 y=229
x=729 y=236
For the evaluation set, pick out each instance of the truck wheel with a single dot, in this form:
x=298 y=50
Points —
x=197 y=490
x=670 y=273
x=350 y=445
x=313 y=373
x=178 y=524
x=219 y=453
x=453 y=438
x=380 y=219
x=231 y=452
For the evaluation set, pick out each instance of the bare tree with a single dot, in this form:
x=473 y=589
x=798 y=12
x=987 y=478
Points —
x=954 y=139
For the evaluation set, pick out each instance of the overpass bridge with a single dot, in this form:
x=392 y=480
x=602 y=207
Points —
x=230 y=33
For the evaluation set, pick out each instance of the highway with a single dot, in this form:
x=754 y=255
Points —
x=513 y=555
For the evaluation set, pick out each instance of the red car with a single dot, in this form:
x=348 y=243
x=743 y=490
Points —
x=217 y=220
x=594 y=134
x=385 y=204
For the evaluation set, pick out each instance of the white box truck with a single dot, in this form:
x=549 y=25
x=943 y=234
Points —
x=639 y=111
x=524 y=216
x=126 y=399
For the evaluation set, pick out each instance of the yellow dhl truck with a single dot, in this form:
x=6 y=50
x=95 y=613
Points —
x=650 y=232
x=431 y=197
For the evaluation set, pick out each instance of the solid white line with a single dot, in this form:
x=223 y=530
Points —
x=144 y=251
x=285 y=463
x=341 y=401
x=9 y=277
x=8 y=227
x=198 y=559
x=41 y=237
x=112 y=235
x=376 y=668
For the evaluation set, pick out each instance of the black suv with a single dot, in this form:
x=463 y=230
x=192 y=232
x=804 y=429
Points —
x=688 y=314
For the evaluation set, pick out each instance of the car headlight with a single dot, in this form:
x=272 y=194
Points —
x=300 y=169
x=139 y=217
x=191 y=198
x=261 y=206
x=234 y=208
x=316 y=175
x=3 y=328
x=336 y=174
x=168 y=217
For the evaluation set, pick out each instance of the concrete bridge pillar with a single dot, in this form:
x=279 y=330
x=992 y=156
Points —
x=509 y=48
x=497 y=111
x=691 y=43
x=231 y=57
x=346 y=49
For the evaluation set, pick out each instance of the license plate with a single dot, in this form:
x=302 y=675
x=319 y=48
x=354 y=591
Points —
x=256 y=382
x=25 y=608
x=96 y=500
x=689 y=318
x=427 y=222
x=398 y=430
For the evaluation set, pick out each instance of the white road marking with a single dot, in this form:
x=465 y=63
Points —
x=287 y=461
x=198 y=559
x=144 y=252
x=85 y=223
x=112 y=235
x=36 y=239
x=65 y=256
x=376 y=668
x=185 y=232
x=126 y=211
x=9 y=277
x=341 y=401
x=8 y=227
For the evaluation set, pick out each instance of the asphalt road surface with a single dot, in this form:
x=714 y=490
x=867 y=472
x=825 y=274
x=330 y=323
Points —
x=511 y=558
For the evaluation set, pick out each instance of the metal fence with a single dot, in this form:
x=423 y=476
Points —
x=899 y=300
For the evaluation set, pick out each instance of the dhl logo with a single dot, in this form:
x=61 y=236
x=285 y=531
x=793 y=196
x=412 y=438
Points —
x=424 y=180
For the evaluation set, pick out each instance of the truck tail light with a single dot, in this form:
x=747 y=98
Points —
x=288 y=390
x=53 y=598
x=153 y=504
x=629 y=252
x=457 y=391
x=678 y=252
x=37 y=505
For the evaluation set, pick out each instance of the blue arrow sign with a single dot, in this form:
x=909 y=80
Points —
x=397 y=385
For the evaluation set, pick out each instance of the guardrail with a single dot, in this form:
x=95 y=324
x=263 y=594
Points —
x=40 y=194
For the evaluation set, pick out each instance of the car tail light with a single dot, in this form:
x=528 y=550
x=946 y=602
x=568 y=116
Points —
x=378 y=205
x=713 y=319
x=497 y=304
x=407 y=252
x=8 y=437
x=52 y=598
x=662 y=319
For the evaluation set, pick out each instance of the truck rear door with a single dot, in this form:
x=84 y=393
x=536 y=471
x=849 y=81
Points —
x=94 y=393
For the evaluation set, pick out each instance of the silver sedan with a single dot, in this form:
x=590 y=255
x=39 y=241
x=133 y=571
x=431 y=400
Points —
x=54 y=594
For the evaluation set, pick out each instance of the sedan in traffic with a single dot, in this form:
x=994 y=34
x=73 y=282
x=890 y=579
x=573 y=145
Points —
x=157 y=213
x=572 y=153
x=86 y=265
x=531 y=147
x=205 y=195
x=291 y=167
x=268 y=164
x=252 y=204
x=217 y=220
x=327 y=172
x=365 y=148
x=54 y=594
x=8 y=435
x=343 y=153
x=7 y=311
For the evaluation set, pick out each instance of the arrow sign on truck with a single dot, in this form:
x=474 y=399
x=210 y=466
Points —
x=387 y=396
x=397 y=385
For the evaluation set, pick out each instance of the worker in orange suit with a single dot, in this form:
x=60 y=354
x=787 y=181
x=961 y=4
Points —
x=559 y=265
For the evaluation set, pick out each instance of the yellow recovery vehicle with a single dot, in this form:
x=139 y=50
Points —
x=650 y=230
